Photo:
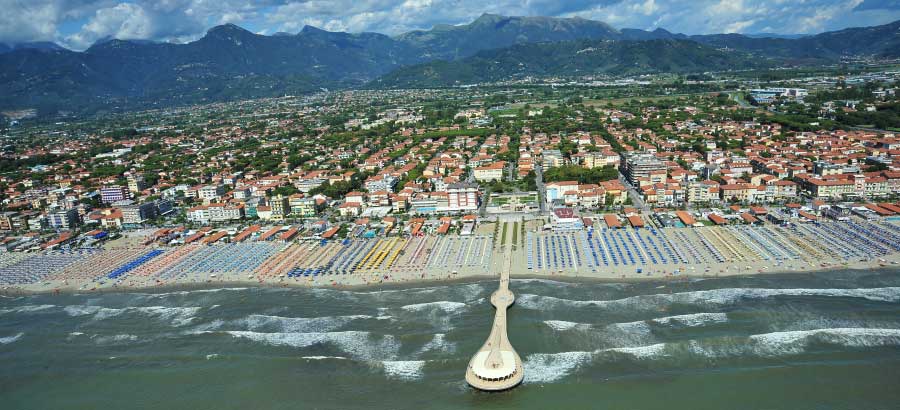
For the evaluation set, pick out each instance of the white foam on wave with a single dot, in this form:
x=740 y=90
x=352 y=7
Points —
x=692 y=320
x=81 y=310
x=541 y=281
x=300 y=324
x=324 y=358
x=114 y=339
x=446 y=306
x=472 y=292
x=404 y=369
x=10 y=339
x=640 y=352
x=438 y=343
x=627 y=334
x=188 y=292
x=715 y=297
x=550 y=367
x=794 y=342
x=178 y=316
x=562 y=325
x=421 y=289
x=357 y=344
x=27 y=309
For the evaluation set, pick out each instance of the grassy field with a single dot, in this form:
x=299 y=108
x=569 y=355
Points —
x=503 y=235
x=515 y=234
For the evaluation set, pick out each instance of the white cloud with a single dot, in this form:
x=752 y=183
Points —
x=183 y=20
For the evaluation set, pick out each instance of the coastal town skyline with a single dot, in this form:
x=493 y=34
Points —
x=541 y=210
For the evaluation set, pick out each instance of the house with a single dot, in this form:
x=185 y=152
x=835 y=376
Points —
x=492 y=172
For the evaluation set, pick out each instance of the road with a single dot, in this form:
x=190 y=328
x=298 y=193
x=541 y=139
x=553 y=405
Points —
x=633 y=194
x=542 y=191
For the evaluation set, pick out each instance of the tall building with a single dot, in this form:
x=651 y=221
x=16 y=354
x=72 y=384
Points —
x=641 y=165
x=63 y=218
x=211 y=193
x=138 y=214
x=552 y=158
x=462 y=196
x=135 y=183
x=110 y=194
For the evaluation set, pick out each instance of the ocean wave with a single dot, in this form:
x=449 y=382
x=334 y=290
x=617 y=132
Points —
x=794 y=342
x=711 y=298
x=177 y=316
x=444 y=305
x=114 y=339
x=471 y=292
x=438 y=343
x=692 y=320
x=324 y=358
x=562 y=325
x=188 y=292
x=774 y=344
x=300 y=324
x=639 y=352
x=550 y=367
x=27 y=309
x=10 y=339
x=357 y=344
x=404 y=369
x=541 y=281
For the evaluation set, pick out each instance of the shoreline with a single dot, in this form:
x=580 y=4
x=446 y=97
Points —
x=566 y=277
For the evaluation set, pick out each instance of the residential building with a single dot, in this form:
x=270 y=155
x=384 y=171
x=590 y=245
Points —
x=135 y=183
x=552 y=158
x=215 y=213
x=462 y=196
x=211 y=193
x=110 y=194
x=138 y=213
x=641 y=165
x=492 y=172
x=63 y=219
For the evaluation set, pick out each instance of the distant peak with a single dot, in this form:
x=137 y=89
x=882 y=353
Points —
x=489 y=18
x=227 y=28
x=311 y=30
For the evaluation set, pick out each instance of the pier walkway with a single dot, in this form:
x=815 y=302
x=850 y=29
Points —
x=497 y=366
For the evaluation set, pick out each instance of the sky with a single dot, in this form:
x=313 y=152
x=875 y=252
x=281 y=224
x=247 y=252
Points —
x=77 y=24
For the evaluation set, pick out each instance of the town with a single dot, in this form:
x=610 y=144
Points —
x=692 y=178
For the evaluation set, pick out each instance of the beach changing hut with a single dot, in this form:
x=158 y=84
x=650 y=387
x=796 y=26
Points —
x=685 y=218
x=718 y=220
x=636 y=221
x=246 y=233
x=289 y=234
x=612 y=221
x=270 y=233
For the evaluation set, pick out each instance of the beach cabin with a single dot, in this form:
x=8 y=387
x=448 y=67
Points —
x=716 y=219
x=686 y=218
x=612 y=221
x=636 y=221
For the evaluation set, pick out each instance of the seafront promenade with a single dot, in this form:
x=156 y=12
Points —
x=497 y=365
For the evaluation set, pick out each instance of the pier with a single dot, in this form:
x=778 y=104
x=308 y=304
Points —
x=497 y=366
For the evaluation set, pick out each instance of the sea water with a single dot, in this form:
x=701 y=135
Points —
x=828 y=340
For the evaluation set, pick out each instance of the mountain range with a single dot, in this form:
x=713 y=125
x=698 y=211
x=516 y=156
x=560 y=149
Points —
x=230 y=62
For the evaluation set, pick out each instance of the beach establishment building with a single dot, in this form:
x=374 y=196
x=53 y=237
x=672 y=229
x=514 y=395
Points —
x=564 y=219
